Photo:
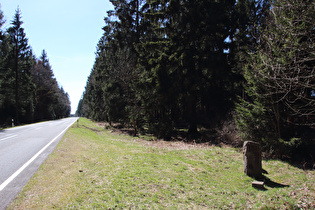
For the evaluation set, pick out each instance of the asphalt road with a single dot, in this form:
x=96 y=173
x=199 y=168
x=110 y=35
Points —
x=22 y=150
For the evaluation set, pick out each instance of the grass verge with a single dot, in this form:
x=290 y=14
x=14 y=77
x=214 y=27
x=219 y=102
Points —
x=92 y=168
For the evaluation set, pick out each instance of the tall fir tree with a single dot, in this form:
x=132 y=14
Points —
x=248 y=16
x=151 y=68
x=62 y=106
x=184 y=59
x=21 y=61
x=45 y=89
x=109 y=91
x=28 y=90
x=6 y=81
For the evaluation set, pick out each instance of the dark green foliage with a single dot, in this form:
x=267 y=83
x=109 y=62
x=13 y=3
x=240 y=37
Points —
x=6 y=77
x=184 y=61
x=280 y=80
x=62 y=106
x=248 y=17
x=109 y=93
x=163 y=65
x=20 y=63
x=28 y=91
x=50 y=101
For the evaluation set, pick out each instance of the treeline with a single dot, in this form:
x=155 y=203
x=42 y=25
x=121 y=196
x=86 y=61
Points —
x=29 y=92
x=162 y=65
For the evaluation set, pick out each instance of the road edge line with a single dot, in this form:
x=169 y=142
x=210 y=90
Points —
x=13 y=176
x=8 y=137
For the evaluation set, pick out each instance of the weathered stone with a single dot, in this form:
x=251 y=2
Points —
x=258 y=184
x=252 y=159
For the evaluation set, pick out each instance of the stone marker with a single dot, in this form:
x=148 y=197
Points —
x=252 y=159
x=258 y=184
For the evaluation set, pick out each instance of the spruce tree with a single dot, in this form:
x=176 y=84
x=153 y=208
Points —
x=21 y=61
x=280 y=79
x=62 y=107
x=110 y=93
x=247 y=17
x=184 y=59
x=45 y=88
x=6 y=77
x=152 y=90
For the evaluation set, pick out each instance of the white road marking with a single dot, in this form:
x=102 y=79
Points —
x=13 y=176
x=8 y=137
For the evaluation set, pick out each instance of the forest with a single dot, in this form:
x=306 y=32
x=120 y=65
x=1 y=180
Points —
x=166 y=66
x=29 y=92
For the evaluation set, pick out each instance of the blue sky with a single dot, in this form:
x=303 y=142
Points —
x=68 y=30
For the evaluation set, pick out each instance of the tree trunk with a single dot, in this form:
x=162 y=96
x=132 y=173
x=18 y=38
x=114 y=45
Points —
x=193 y=129
x=192 y=115
x=17 y=97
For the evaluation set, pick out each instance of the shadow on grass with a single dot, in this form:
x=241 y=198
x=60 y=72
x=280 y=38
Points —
x=272 y=184
x=91 y=129
x=269 y=183
x=213 y=136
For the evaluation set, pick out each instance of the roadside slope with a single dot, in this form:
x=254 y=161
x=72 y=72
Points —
x=94 y=168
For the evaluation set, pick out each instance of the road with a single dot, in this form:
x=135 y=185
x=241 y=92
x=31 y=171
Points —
x=22 y=150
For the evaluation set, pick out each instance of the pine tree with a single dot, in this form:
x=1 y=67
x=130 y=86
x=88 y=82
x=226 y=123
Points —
x=62 y=106
x=21 y=61
x=45 y=88
x=109 y=91
x=185 y=62
x=153 y=86
x=248 y=16
x=6 y=75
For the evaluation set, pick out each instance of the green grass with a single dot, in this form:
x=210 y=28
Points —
x=92 y=168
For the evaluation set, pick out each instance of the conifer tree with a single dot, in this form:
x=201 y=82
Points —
x=62 y=107
x=45 y=88
x=280 y=79
x=185 y=62
x=21 y=61
x=156 y=105
x=109 y=91
x=6 y=81
x=247 y=17
x=28 y=89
